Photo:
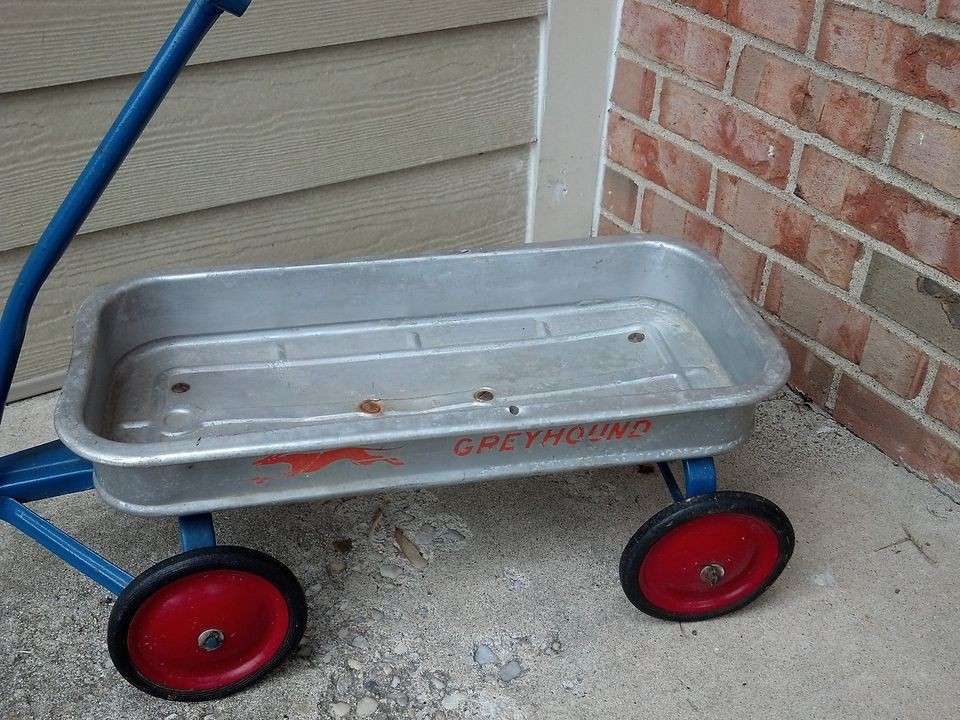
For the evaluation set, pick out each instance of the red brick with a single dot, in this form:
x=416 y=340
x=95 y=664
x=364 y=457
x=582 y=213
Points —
x=895 y=432
x=897 y=365
x=810 y=375
x=784 y=227
x=817 y=314
x=930 y=151
x=745 y=265
x=663 y=217
x=607 y=227
x=726 y=131
x=832 y=255
x=889 y=214
x=949 y=9
x=633 y=88
x=846 y=37
x=696 y=51
x=852 y=119
x=927 y=66
x=783 y=21
x=944 y=402
x=619 y=195
x=660 y=161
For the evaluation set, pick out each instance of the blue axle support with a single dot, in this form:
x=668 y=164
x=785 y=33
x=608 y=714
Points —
x=63 y=546
x=196 y=531
x=699 y=478
x=670 y=481
x=51 y=470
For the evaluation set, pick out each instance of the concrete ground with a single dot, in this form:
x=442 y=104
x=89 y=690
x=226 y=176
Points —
x=522 y=575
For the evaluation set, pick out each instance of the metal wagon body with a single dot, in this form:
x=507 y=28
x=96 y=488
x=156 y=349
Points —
x=201 y=391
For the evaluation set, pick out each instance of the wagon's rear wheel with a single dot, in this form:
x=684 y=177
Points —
x=206 y=623
x=706 y=556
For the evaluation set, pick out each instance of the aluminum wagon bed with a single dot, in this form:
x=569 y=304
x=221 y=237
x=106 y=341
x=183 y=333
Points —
x=200 y=391
x=212 y=390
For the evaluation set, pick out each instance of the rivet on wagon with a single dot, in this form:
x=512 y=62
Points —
x=636 y=337
x=483 y=395
x=371 y=407
x=180 y=387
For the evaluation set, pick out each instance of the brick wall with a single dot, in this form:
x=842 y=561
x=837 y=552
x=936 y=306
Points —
x=814 y=147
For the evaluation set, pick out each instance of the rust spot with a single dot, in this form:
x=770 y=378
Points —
x=483 y=395
x=371 y=407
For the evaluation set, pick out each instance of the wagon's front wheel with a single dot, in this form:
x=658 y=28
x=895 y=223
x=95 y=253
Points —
x=706 y=556
x=206 y=623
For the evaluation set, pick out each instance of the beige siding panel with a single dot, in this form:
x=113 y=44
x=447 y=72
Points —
x=252 y=128
x=51 y=42
x=470 y=202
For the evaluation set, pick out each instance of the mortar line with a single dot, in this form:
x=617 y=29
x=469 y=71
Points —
x=861 y=269
x=831 y=400
x=638 y=210
x=887 y=174
x=932 y=8
x=823 y=70
x=657 y=92
x=821 y=217
x=933 y=367
x=815 y=25
x=733 y=60
x=615 y=220
x=793 y=174
x=765 y=280
x=890 y=138
x=712 y=193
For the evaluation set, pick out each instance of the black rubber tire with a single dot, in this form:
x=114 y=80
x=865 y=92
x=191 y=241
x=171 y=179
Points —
x=221 y=557
x=698 y=506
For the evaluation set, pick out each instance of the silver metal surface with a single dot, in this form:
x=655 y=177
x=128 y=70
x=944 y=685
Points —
x=209 y=390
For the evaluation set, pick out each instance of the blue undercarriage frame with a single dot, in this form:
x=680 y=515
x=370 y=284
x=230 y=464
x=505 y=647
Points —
x=52 y=470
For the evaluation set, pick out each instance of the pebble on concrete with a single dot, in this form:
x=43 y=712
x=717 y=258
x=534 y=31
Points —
x=484 y=656
x=510 y=671
x=367 y=707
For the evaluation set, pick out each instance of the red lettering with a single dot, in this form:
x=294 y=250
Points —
x=532 y=438
x=575 y=435
x=602 y=434
x=618 y=431
x=508 y=440
x=555 y=435
x=488 y=442
x=463 y=447
x=637 y=424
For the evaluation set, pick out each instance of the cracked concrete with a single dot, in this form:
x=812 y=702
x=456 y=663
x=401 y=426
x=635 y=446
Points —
x=518 y=612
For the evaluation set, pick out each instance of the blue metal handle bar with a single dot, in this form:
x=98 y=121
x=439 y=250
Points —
x=193 y=25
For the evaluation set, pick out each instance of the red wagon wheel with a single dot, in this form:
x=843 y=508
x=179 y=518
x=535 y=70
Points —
x=206 y=623
x=706 y=556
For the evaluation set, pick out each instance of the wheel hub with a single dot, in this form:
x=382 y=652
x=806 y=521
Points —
x=712 y=574
x=211 y=639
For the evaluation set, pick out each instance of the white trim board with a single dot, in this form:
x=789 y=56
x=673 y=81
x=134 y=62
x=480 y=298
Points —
x=581 y=40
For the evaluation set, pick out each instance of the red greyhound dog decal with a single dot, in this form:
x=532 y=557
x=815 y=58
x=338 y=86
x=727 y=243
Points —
x=301 y=463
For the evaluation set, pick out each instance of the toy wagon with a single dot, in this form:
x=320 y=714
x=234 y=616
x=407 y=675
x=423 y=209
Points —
x=195 y=392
